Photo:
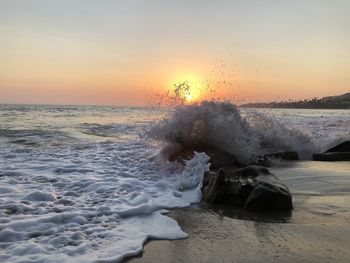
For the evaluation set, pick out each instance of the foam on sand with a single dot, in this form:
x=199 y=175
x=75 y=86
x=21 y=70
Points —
x=106 y=212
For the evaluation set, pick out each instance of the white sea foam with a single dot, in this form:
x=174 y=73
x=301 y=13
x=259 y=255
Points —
x=91 y=200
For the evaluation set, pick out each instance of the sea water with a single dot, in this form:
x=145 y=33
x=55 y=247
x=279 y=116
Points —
x=93 y=183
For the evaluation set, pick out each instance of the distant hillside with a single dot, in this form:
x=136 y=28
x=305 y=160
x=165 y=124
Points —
x=333 y=102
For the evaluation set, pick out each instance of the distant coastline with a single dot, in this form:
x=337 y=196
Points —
x=332 y=102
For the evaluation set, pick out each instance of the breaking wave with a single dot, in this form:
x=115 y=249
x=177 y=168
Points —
x=221 y=125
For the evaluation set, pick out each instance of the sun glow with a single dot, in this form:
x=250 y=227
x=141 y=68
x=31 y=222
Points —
x=189 y=98
x=189 y=88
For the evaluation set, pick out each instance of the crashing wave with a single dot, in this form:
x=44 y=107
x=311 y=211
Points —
x=221 y=125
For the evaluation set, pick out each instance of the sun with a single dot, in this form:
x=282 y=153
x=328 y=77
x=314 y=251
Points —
x=189 y=97
x=189 y=88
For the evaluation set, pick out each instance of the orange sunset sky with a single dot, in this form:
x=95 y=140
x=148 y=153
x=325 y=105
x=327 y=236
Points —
x=124 y=52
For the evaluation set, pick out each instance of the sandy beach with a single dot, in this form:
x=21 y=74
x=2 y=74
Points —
x=217 y=236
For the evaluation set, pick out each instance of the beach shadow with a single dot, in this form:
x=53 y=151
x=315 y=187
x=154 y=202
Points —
x=236 y=213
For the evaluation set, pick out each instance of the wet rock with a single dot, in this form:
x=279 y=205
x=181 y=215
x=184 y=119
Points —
x=251 y=188
x=332 y=156
x=270 y=195
x=213 y=186
x=340 y=152
x=218 y=158
x=342 y=147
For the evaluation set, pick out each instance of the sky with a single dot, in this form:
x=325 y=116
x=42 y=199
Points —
x=127 y=52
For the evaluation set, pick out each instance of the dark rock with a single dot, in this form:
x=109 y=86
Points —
x=250 y=188
x=331 y=156
x=213 y=185
x=218 y=158
x=270 y=195
x=342 y=147
x=340 y=152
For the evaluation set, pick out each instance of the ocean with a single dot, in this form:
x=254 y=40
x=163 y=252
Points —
x=92 y=183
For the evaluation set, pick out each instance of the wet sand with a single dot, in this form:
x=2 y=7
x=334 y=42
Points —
x=317 y=230
x=218 y=234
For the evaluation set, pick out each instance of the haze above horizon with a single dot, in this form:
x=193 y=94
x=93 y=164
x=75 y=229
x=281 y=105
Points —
x=126 y=52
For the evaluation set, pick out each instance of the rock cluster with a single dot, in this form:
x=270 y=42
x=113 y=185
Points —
x=251 y=188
